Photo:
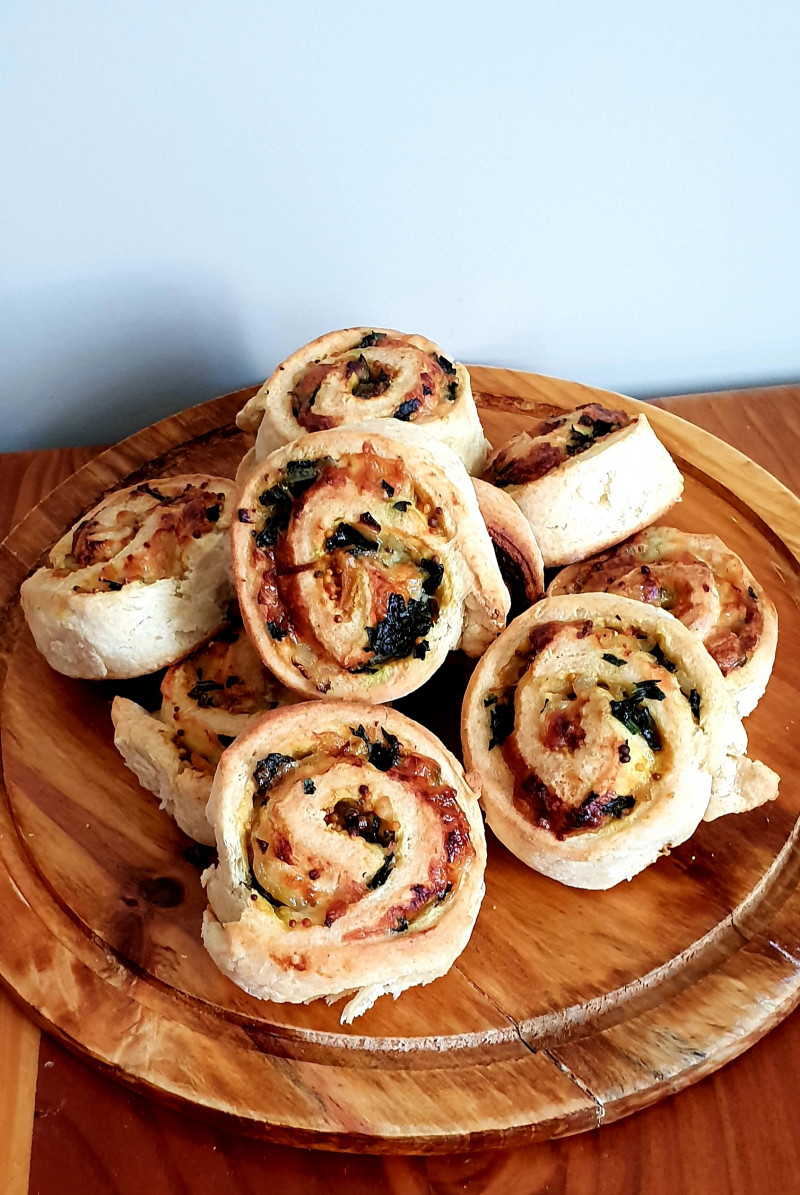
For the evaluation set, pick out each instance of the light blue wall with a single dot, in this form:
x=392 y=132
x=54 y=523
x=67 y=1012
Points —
x=190 y=190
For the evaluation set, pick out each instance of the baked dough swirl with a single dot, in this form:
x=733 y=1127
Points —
x=362 y=559
x=140 y=581
x=704 y=584
x=351 y=856
x=585 y=479
x=515 y=546
x=207 y=700
x=346 y=377
x=601 y=733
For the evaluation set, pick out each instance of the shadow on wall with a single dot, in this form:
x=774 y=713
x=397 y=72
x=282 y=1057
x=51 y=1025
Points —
x=91 y=360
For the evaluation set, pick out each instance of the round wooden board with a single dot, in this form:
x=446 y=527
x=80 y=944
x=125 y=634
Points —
x=567 y=1008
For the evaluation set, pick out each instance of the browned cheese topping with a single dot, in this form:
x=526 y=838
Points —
x=364 y=591
x=531 y=455
x=172 y=522
x=209 y=697
x=576 y=716
x=380 y=366
x=346 y=789
x=653 y=566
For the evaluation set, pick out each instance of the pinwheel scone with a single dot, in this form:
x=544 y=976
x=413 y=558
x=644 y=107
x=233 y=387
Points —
x=704 y=584
x=600 y=733
x=585 y=479
x=351 y=856
x=207 y=700
x=515 y=546
x=346 y=377
x=361 y=560
x=143 y=579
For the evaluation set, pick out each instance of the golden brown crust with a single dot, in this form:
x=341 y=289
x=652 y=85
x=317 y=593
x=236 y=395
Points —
x=208 y=699
x=138 y=583
x=345 y=377
x=361 y=560
x=598 y=730
x=704 y=584
x=361 y=830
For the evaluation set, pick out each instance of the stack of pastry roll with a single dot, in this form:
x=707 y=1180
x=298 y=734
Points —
x=585 y=479
x=143 y=579
x=597 y=730
x=351 y=849
x=351 y=856
x=347 y=377
x=361 y=559
x=207 y=700
x=704 y=584
x=601 y=733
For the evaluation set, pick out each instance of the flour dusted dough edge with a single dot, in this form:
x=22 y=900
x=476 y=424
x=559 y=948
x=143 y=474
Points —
x=719 y=774
x=242 y=936
x=601 y=496
x=149 y=749
x=269 y=412
x=741 y=785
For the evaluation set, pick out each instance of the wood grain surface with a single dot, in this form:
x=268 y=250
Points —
x=528 y=1169
x=19 y=1050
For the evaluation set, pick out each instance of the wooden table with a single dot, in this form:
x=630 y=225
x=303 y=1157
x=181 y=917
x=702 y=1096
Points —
x=66 y=1128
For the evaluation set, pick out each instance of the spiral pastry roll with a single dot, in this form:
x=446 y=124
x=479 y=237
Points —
x=346 y=377
x=585 y=479
x=601 y=733
x=361 y=560
x=351 y=856
x=207 y=700
x=143 y=579
x=704 y=584
x=515 y=546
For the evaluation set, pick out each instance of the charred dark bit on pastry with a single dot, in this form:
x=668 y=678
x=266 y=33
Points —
x=541 y=806
x=407 y=409
x=279 y=499
x=202 y=691
x=382 y=875
x=371 y=339
x=270 y=769
x=350 y=540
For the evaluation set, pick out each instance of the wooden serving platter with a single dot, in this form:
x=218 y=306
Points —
x=566 y=1010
